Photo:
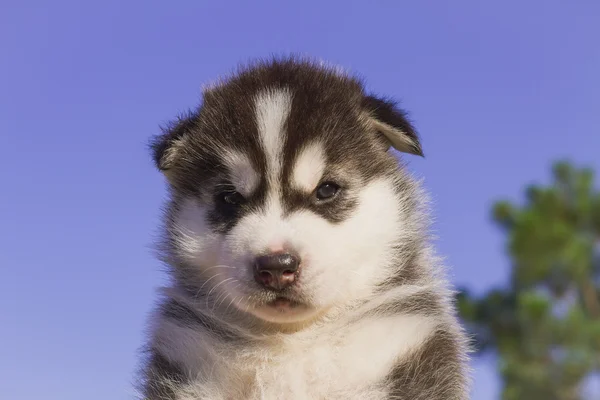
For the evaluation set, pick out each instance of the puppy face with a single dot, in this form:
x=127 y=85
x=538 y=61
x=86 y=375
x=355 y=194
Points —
x=284 y=198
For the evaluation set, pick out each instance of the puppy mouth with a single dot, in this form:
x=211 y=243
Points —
x=283 y=304
x=282 y=308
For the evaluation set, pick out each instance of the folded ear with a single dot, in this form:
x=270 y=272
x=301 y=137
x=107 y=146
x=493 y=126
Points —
x=166 y=147
x=392 y=124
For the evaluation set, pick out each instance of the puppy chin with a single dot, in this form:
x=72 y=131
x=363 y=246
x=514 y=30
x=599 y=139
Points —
x=283 y=311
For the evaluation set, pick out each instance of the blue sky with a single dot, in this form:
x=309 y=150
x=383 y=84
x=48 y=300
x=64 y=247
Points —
x=497 y=89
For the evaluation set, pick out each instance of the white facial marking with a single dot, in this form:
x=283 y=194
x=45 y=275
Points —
x=345 y=259
x=309 y=168
x=242 y=174
x=272 y=110
x=260 y=231
x=339 y=261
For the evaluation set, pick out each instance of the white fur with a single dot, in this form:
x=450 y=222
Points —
x=272 y=108
x=195 y=242
x=241 y=172
x=324 y=361
x=309 y=168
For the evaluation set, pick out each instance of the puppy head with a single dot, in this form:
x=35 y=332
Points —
x=285 y=200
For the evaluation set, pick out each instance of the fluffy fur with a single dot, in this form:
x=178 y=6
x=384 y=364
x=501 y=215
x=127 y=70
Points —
x=251 y=172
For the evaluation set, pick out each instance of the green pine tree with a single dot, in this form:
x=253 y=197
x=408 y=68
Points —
x=545 y=325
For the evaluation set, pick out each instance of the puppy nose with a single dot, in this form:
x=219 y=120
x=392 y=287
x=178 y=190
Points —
x=276 y=270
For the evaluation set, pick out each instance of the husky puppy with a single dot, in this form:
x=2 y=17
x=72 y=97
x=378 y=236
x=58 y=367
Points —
x=298 y=248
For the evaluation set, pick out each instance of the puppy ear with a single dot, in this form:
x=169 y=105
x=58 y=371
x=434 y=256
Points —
x=392 y=124
x=166 y=147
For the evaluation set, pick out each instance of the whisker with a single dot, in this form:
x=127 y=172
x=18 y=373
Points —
x=219 y=266
x=233 y=289
x=230 y=303
x=247 y=304
x=218 y=284
x=224 y=295
x=208 y=280
x=213 y=288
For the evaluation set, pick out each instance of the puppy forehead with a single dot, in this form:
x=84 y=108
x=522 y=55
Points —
x=301 y=97
x=274 y=113
x=287 y=142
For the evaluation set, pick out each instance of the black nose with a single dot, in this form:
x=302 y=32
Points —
x=276 y=271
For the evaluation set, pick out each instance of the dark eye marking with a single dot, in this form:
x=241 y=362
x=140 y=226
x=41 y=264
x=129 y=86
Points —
x=327 y=191
x=231 y=198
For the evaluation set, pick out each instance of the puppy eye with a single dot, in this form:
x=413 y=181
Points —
x=232 y=198
x=327 y=190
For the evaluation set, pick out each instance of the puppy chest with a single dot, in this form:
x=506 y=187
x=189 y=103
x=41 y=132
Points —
x=313 y=372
